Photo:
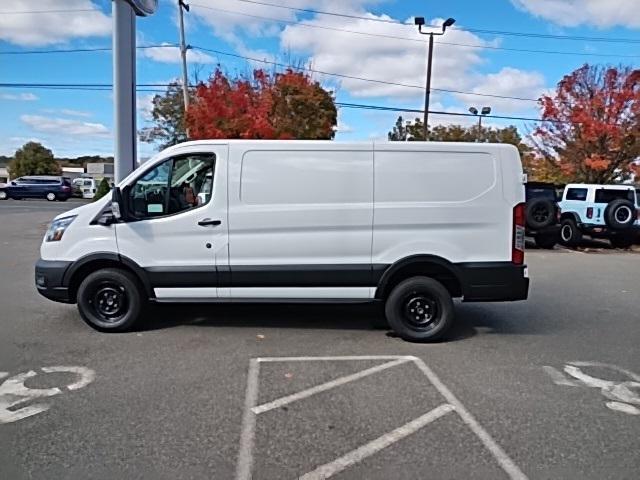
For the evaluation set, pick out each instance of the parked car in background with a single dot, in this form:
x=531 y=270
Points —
x=600 y=211
x=50 y=187
x=85 y=187
x=542 y=213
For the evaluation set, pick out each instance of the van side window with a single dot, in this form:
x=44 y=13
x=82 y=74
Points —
x=173 y=186
x=577 y=194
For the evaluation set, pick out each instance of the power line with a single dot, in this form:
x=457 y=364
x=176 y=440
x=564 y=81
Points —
x=352 y=77
x=361 y=106
x=415 y=40
x=78 y=50
x=29 y=12
x=476 y=30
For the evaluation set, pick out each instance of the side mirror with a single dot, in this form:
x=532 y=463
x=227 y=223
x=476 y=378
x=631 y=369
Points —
x=14 y=183
x=117 y=205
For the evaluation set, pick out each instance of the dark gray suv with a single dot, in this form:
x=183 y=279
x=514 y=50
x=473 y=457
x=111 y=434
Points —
x=50 y=187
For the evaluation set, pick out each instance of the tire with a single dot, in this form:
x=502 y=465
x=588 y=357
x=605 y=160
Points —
x=63 y=199
x=423 y=297
x=622 y=241
x=3 y=195
x=570 y=235
x=110 y=285
x=540 y=213
x=547 y=240
x=620 y=214
x=50 y=196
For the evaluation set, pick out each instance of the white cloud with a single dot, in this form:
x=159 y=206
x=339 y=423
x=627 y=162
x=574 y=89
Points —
x=510 y=82
x=24 y=97
x=64 y=126
x=171 y=54
x=145 y=106
x=75 y=113
x=570 y=13
x=386 y=59
x=36 y=29
x=246 y=19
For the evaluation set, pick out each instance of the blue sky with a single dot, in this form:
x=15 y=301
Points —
x=77 y=122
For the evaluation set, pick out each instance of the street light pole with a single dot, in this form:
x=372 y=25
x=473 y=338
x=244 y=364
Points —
x=427 y=95
x=482 y=113
x=124 y=89
x=420 y=22
x=124 y=81
x=183 y=52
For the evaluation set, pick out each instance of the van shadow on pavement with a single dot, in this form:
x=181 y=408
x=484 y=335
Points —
x=470 y=318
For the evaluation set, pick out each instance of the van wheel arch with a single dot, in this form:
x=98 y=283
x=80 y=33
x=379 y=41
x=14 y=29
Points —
x=430 y=266
x=91 y=263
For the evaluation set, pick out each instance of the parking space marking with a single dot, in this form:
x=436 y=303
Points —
x=622 y=393
x=14 y=393
x=325 y=386
x=330 y=469
x=247 y=437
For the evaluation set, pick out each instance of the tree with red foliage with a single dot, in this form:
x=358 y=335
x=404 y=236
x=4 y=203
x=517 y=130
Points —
x=591 y=125
x=287 y=105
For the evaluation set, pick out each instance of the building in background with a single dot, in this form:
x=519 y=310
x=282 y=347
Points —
x=100 y=170
x=4 y=175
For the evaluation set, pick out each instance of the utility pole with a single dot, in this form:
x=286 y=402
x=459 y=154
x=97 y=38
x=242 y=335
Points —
x=183 y=51
x=420 y=22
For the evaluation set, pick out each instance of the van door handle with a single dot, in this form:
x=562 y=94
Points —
x=207 y=221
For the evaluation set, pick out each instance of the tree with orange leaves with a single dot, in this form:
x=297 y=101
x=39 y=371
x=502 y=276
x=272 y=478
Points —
x=590 y=127
x=287 y=105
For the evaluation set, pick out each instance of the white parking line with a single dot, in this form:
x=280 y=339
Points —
x=245 y=457
x=501 y=457
x=330 y=469
x=265 y=407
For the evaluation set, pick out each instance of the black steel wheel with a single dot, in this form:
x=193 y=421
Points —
x=420 y=309
x=110 y=300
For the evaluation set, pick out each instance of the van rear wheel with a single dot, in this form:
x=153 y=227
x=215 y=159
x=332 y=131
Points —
x=51 y=196
x=110 y=300
x=420 y=309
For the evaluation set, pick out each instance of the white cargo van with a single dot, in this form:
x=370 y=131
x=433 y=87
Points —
x=410 y=224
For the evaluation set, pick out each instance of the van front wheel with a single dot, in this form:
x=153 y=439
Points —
x=420 y=309
x=110 y=300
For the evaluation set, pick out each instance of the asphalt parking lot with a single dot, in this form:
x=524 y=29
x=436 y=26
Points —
x=543 y=389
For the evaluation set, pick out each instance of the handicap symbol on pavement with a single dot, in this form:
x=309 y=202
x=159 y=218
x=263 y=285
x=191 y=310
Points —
x=621 y=396
x=17 y=401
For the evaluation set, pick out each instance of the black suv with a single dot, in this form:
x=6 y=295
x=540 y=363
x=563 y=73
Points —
x=542 y=213
x=49 y=187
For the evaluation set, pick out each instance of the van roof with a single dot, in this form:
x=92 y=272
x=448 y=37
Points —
x=466 y=146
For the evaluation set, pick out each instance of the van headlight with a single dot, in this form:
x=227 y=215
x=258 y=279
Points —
x=57 y=228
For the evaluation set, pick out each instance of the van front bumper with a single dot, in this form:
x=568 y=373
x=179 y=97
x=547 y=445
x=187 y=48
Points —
x=493 y=281
x=49 y=278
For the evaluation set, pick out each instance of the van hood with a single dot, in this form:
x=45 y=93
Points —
x=87 y=210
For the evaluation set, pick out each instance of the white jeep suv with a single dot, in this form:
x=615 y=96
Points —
x=601 y=211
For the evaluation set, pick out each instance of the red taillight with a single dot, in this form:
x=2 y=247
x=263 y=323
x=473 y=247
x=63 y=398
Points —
x=517 y=249
x=65 y=188
x=589 y=212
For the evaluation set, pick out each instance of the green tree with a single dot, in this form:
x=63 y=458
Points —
x=33 y=159
x=168 y=117
x=103 y=189
x=407 y=131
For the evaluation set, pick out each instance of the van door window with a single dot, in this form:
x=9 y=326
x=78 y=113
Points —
x=174 y=186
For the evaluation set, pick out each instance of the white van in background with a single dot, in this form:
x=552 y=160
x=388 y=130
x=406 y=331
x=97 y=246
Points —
x=87 y=186
x=410 y=224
